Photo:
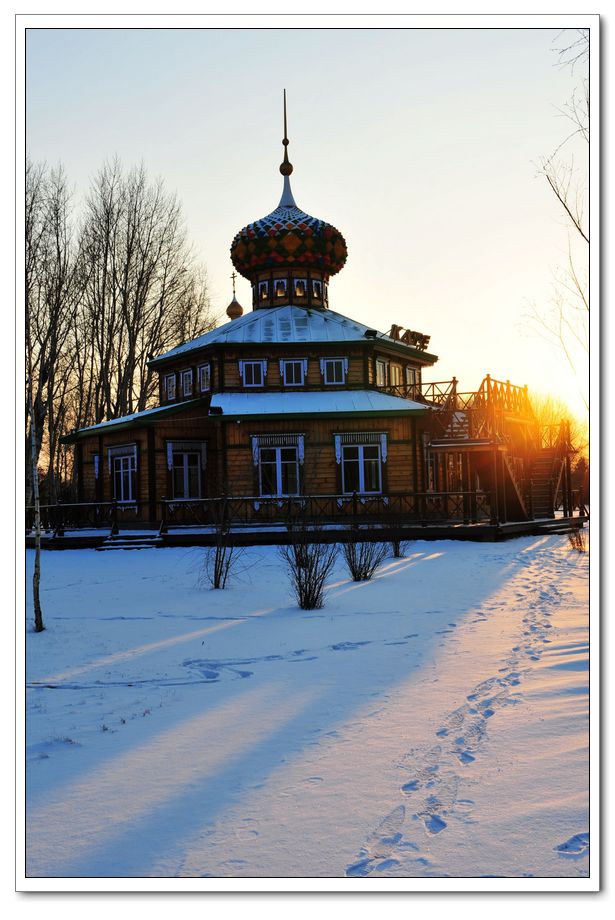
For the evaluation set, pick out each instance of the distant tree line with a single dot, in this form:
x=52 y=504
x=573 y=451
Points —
x=104 y=293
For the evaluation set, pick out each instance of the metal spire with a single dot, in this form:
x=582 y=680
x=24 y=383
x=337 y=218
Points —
x=286 y=168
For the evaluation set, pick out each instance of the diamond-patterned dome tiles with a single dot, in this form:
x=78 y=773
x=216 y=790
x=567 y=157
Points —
x=288 y=237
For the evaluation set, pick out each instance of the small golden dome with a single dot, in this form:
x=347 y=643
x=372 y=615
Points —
x=234 y=309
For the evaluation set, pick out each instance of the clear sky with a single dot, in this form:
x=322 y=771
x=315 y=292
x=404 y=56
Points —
x=420 y=145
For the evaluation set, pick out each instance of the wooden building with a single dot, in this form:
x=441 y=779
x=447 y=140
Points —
x=292 y=404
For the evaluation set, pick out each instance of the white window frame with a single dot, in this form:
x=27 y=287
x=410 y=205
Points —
x=326 y=363
x=123 y=459
x=302 y=362
x=204 y=372
x=304 y=281
x=185 y=453
x=400 y=371
x=383 y=366
x=280 y=283
x=361 y=449
x=167 y=389
x=278 y=448
x=187 y=375
x=243 y=365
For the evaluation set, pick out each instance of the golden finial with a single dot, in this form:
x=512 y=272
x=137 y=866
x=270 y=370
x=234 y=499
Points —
x=286 y=167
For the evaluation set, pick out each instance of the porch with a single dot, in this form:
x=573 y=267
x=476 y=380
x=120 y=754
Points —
x=252 y=520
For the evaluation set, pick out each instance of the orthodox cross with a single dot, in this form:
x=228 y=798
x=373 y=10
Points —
x=233 y=276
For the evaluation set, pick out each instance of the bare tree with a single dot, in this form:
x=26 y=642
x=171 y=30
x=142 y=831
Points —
x=143 y=292
x=100 y=301
x=51 y=297
x=566 y=322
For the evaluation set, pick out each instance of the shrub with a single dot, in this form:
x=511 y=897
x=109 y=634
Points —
x=363 y=557
x=309 y=562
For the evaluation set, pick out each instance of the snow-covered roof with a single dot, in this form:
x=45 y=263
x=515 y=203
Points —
x=135 y=416
x=315 y=401
x=287 y=324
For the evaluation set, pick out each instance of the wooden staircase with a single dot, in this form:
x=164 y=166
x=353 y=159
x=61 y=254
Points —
x=458 y=427
x=545 y=476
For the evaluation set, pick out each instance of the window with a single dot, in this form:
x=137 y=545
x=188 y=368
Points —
x=186 y=474
x=381 y=373
x=169 y=386
x=204 y=378
x=123 y=469
x=300 y=288
x=395 y=375
x=334 y=370
x=253 y=373
x=187 y=383
x=263 y=290
x=279 y=287
x=361 y=468
x=293 y=372
x=431 y=473
x=454 y=472
x=317 y=290
x=278 y=471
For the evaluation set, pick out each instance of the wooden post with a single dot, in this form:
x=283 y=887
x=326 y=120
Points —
x=151 y=474
x=416 y=452
x=79 y=467
x=504 y=511
x=466 y=490
x=59 y=528
x=495 y=515
x=114 y=528
x=163 y=516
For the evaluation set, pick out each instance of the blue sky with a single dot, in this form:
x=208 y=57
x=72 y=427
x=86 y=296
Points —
x=420 y=145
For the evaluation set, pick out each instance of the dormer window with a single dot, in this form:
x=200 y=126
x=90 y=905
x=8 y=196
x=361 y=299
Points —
x=334 y=370
x=169 y=386
x=317 y=290
x=280 y=288
x=187 y=382
x=300 y=288
x=204 y=378
x=263 y=290
x=253 y=373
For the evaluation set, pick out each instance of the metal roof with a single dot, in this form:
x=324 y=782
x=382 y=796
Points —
x=288 y=324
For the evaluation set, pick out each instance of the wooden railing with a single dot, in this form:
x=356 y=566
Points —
x=391 y=510
x=55 y=519
x=487 y=408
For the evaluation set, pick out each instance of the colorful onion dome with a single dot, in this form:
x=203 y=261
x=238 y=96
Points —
x=288 y=237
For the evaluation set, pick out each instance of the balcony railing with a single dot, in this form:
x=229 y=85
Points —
x=391 y=510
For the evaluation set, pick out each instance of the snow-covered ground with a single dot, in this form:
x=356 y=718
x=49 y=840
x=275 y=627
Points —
x=430 y=723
